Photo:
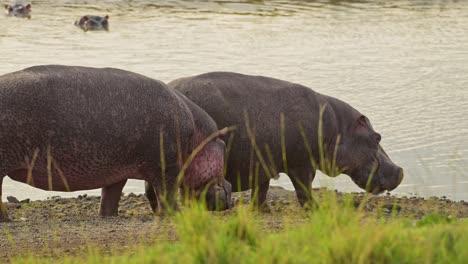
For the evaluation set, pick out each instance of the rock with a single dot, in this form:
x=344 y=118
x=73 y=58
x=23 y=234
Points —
x=12 y=199
x=26 y=201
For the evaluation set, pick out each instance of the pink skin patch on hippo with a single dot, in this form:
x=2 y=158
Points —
x=207 y=166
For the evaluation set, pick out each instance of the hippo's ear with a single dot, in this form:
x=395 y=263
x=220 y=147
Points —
x=85 y=18
x=106 y=17
x=362 y=120
x=7 y=6
x=28 y=6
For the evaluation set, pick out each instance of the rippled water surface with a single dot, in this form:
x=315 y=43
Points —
x=402 y=63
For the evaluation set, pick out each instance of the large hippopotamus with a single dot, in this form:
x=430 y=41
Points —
x=67 y=128
x=93 y=23
x=19 y=10
x=287 y=127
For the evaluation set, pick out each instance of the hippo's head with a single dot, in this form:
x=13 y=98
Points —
x=360 y=155
x=93 y=23
x=204 y=176
x=19 y=10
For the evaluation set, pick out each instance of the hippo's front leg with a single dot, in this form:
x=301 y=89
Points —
x=259 y=195
x=110 y=197
x=164 y=185
x=301 y=179
x=3 y=211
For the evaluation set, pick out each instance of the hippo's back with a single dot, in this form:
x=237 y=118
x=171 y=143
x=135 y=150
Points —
x=228 y=94
x=88 y=100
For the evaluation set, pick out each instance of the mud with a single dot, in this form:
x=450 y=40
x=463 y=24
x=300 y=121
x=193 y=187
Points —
x=70 y=226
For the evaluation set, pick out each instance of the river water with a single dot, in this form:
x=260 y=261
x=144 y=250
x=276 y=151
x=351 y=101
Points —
x=402 y=63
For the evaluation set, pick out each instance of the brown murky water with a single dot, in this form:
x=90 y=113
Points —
x=402 y=63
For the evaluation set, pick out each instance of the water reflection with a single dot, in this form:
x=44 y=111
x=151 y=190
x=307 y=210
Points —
x=402 y=63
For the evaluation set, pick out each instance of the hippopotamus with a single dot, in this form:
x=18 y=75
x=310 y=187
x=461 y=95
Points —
x=93 y=23
x=287 y=127
x=19 y=10
x=69 y=128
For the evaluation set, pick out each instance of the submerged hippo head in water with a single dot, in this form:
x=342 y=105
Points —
x=287 y=127
x=19 y=10
x=68 y=128
x=93 y=23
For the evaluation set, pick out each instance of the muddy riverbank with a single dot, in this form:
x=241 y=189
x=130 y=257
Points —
x=59 y=226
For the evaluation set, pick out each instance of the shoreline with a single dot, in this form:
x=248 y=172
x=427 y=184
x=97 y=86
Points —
x=69 y=226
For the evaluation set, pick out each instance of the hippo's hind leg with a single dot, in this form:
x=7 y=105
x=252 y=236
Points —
x=110 y=197
x=301 y=179
x=151 y=196
x=3 y=211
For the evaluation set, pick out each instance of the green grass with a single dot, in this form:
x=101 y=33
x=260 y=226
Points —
x=334 y=233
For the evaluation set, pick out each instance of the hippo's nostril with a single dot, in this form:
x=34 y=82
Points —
x=377 y=137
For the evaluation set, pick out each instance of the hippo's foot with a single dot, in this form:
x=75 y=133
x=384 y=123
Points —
x=3 y=215
x=3 y=210
x=167 y=212
x=309 y=205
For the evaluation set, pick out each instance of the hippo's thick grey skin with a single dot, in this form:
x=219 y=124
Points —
x=67 y=128
x=19 y=10
x=229 y=97
x=93 y=23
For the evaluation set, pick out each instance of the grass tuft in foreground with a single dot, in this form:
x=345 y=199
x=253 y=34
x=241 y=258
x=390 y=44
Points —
x=336 y=232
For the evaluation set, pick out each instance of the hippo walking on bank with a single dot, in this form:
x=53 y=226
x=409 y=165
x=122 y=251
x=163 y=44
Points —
x=19 y=10
x=93 y=23
x=66 y=128
x=282 y=120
